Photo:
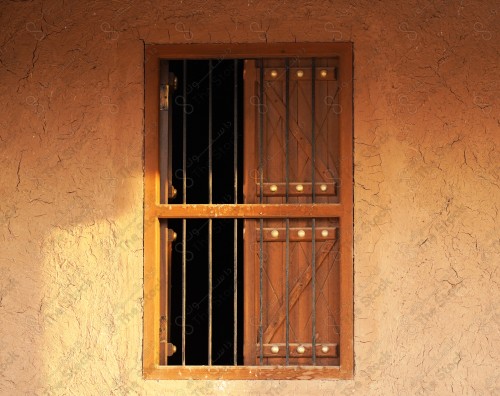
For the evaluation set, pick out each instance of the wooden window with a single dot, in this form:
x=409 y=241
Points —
x=290 y=310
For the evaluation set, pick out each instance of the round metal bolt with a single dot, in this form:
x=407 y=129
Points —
x=301 y=349
x=299 y=187
x=323 y=187
x=301 y=233
x=275 y=233
x=325 y=349
x=323 y=73
x=324 y=233
x=275 y=349
x=274 y=73
x=300 y=73
x=273 y=188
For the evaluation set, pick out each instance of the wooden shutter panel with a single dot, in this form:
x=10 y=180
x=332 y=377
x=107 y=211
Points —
x=272 y=107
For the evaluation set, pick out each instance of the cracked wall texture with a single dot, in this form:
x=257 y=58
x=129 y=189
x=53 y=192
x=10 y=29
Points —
x=426 y=189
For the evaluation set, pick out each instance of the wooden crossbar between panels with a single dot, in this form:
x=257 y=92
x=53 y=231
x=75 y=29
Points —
x=246 y=211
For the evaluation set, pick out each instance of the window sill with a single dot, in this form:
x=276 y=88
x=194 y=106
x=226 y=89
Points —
x=247 y=373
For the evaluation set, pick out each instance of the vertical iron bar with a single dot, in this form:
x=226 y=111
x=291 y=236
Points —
x=210 y=220
x=313 y=183
x=184 y=200
x=164 y=116
x=261 y=200
x=287 y=182
x=235 y=230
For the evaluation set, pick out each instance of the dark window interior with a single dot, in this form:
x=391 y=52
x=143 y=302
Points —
x=196 y=107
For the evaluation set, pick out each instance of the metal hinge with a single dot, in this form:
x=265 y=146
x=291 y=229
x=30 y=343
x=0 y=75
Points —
x=172 y=235
x=170 y=348
x=165 y=91
x=163 y=329
x=172 y=192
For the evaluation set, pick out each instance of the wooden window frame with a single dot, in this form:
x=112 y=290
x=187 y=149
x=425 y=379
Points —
x=154 y=211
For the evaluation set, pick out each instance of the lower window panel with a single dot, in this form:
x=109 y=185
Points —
x=252 y=292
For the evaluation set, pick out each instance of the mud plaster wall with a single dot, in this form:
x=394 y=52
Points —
x=426 y=189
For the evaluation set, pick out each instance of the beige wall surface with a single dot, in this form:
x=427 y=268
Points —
x=427 y=189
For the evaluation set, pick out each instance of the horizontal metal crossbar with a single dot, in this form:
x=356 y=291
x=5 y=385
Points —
x=300 y=350
x=296 y=189
x=296 y=234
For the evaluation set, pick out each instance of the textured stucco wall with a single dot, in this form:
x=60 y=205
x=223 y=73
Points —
x=426 y=189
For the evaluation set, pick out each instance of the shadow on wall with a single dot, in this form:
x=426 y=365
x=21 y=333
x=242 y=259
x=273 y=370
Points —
x=72 y=198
